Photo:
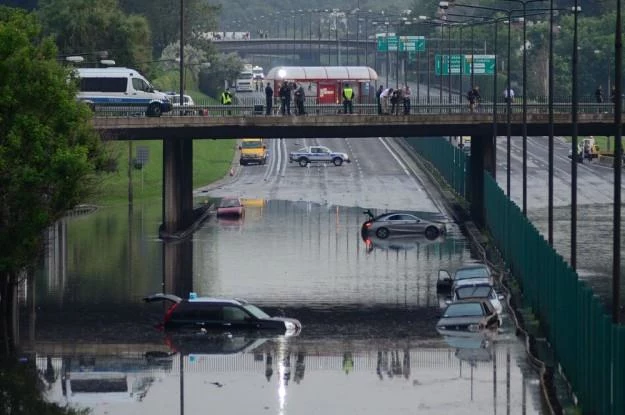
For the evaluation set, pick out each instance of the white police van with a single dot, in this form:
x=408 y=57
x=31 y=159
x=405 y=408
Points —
x=116 y=87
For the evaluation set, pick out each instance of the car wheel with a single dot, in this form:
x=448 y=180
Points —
x=303 y=162
x=431 y=232
x=154 y=110
x=382 y=233
x=337 y=161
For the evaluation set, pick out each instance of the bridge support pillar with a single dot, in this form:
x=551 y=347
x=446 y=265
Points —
x=178 y=268
x=177 y=184
x=483 y=158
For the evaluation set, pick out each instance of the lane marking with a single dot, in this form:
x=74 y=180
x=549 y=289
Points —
x=402 y=165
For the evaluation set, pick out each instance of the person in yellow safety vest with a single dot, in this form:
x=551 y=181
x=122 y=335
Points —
x=348 y=97
x=226 y=98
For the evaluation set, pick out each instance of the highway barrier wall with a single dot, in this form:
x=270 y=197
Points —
x=450 y=161
x=588 y=346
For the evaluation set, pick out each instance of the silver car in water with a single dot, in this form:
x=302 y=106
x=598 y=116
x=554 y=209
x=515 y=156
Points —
x=400 y=224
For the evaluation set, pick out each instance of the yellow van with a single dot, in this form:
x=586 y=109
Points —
x=252 y=150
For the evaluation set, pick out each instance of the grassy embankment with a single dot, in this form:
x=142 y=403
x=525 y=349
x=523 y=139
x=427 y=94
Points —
x=211 y=161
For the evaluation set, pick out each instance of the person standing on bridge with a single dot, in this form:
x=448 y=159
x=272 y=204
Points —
x=348 y=97
x=379 y=99
x=300 y=97
x=226 y=99
x=268 y=98
x=285 y=99
x=406 y=93
x=599 y=94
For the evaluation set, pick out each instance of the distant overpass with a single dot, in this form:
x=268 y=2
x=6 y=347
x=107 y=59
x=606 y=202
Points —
x=306 y=51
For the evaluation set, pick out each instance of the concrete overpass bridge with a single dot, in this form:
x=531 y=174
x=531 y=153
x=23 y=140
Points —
x=178 y=134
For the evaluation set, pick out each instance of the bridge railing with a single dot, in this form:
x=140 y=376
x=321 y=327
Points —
x=417 y=106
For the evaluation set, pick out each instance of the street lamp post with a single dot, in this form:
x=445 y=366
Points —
x=618 y=157
x=576 y=10
x=524 y=4
x=508 y=13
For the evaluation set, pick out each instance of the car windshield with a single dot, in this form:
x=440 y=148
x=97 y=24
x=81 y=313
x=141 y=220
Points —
x=251 y=144
x=479 y=291
x=245 y=75
x=464 y=310
x=463 y=274
x=229 y=203
x=255 y=311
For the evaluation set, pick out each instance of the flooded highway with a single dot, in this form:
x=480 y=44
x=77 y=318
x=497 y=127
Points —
x=368 y=307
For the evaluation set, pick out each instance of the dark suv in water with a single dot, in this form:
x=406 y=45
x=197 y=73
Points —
x=221 y=314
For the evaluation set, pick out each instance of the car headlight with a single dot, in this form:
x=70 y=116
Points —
x=442 y=327
x=290 y=326
x=474 y=327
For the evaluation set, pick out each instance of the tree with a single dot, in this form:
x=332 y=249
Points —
x=222 y=67
x=48 y=152
x=164 y=18
x=98 y=30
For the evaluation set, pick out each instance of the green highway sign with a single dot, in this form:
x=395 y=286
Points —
x=391 y=43
x=479 y=64
x=412 y=43
x=448 y=64
x=452 y=64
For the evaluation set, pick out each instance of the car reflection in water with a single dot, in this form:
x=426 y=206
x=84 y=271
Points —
x=473 y=349
x=399 y=243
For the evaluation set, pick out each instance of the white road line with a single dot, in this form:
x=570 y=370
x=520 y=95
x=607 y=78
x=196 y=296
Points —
x=402 y=165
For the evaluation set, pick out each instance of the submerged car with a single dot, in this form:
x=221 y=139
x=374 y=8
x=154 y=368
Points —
x=400 y=224
x=468 y=318
x=466 y=274
x=219 y=314
x=230 y=207
x=478 y=291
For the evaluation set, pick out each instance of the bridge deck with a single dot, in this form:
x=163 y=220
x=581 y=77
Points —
x=340 y=125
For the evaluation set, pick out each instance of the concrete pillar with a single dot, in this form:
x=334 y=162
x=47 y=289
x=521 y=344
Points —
x=177 y=184
x=483 y=151
x=178 y=268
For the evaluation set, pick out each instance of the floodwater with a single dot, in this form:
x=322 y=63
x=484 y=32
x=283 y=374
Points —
x=368 y=344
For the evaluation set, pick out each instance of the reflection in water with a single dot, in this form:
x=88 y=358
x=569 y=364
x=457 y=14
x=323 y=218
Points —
x=136 y=380
x=368 y=315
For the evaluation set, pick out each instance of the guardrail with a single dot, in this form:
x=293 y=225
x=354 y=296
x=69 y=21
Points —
x=417 y=107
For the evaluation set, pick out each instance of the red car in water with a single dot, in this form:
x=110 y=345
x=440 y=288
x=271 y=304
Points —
x=230 y=207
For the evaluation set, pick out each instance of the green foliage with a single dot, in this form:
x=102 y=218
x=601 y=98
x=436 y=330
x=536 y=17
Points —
x=223 y=67
x=97 y=30
x=48 y=150
x=164 y=18
x=211 y=161
x=21 y=396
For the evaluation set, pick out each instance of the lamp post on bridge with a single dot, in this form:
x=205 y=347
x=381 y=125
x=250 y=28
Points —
x=508 y=20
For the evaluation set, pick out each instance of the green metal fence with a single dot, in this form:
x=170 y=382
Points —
x=589 y=347
x=451 y=161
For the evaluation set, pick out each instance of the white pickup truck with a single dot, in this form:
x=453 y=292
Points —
x=317 y=154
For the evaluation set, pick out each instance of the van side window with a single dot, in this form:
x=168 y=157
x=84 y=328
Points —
x=140 y=85
x=232 y=313
x=103 y=84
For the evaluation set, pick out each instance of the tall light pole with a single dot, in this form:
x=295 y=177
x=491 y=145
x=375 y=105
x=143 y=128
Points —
x=508 y=13
x=524 y=4
x=181 y=53
x=550 y=128
x=618 y=157
x=576 y=10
